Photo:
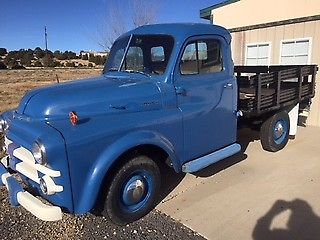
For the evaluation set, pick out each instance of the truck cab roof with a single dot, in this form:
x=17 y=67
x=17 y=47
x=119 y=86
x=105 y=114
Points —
x=181 y=31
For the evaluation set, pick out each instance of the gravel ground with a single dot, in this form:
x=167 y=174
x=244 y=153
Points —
x=17 y=223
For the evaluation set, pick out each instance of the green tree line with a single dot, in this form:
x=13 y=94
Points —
x=19 y=59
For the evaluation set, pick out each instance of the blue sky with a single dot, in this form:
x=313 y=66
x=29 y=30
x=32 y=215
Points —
x=76 y=24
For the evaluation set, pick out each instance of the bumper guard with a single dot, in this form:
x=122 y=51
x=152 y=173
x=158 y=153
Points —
x=18 y=196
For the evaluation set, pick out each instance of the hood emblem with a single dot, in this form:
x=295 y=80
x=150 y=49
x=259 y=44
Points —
x=73 y=118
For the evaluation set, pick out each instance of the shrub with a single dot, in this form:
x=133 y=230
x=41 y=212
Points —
x=98 y=60
x=85 y=57
x=3 y=51
x=39 y=52
x=37 y=64
x=56 y=64
x=3 y=66
x=91 y=57
x=26 y=60
x=70 y=64
x=18 y=66
x=10 y=62
x=59 y=55
x=70 y=55
x=48 y=61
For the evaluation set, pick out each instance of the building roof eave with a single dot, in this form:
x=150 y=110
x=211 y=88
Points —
x=206 y=12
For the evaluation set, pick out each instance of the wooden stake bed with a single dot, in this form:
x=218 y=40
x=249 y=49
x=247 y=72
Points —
x=264 y=89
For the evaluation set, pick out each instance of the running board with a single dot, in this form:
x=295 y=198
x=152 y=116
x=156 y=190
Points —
x=205 y=161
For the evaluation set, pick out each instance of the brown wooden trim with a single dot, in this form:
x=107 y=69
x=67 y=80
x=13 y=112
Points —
x=278 y=23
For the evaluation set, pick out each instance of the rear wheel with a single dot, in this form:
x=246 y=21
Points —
x=133 y=191
x=274 y=133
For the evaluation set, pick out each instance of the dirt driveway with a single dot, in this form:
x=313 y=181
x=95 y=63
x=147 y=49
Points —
x=255 y=195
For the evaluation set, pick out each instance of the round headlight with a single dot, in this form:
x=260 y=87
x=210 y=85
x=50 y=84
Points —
x=3 y=125
x=39 y=153
x=43 y=186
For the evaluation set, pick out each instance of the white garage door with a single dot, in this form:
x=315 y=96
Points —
x=295 y=52
x=258 y=54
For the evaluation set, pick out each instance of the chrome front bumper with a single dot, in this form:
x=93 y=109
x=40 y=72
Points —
x=18 y=196
x=22 y=161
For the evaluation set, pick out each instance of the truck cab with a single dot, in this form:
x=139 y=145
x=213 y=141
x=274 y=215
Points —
x=194 y=73
x=168 y=94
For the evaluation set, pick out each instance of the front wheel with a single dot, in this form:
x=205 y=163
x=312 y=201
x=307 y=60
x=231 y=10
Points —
x=133 y=191
x=274 y=133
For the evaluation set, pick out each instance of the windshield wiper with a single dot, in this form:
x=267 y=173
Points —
x=135 y=71
x=112 y=69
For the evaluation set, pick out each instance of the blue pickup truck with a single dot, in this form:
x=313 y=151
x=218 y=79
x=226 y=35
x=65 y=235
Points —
x=169 y=94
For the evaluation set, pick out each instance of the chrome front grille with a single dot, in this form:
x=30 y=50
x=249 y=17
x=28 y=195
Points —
x=27 y=166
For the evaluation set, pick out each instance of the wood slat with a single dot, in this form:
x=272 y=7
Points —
x=289 y=83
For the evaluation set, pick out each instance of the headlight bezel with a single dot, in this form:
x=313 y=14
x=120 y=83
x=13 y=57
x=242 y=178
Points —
x=39 y=153
x=3 y=125
x=43 y=186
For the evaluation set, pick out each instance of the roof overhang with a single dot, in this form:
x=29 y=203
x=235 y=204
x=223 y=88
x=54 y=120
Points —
x=206 y=12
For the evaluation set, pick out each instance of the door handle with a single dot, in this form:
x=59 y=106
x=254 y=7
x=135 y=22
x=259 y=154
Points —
x=181 y=91
x=118 y=107
x=229 y=86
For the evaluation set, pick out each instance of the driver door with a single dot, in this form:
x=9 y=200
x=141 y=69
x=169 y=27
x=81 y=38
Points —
x=207 y=96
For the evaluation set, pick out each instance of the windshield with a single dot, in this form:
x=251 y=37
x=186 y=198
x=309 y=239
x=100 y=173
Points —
x=146 y=54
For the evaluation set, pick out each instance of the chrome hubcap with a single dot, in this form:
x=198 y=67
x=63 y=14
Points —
x=279 y=130
x=134 y=191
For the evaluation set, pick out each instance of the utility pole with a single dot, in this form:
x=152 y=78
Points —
x=46 y=37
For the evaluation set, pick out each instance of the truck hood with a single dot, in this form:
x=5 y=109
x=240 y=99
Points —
x=92 y=96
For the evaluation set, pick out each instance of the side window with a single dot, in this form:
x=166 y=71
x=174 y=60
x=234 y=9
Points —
x=134 y=59
x=203 y=51
x=210 y=59
x=188 y=64
x=157 y=54
x=203 y=56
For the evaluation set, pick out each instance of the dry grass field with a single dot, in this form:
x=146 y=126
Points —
x=15 y=83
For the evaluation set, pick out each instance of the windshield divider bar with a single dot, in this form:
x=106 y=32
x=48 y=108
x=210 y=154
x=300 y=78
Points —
x=125 y=53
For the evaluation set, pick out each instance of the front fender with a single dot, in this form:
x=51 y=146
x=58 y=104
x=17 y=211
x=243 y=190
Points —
x=105 y=161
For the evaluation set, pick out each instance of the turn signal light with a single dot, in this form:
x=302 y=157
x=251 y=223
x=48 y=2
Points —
x=73 y=118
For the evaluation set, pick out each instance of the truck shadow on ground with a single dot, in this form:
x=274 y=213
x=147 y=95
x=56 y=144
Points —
x=303 y=223
x=245 y=137
x=171 y=179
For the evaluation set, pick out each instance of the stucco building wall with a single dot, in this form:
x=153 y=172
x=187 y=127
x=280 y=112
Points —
x=272 y=22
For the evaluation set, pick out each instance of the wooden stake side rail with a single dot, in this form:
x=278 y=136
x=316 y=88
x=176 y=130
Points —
x=268 y=88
